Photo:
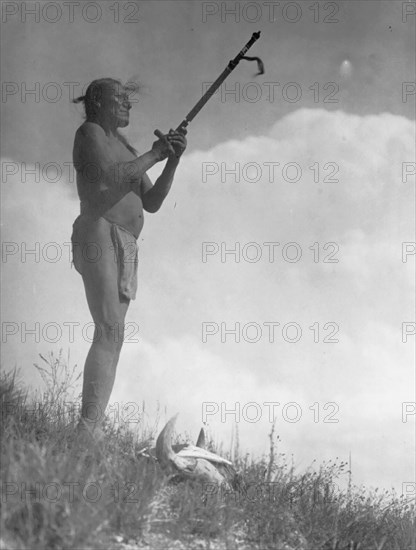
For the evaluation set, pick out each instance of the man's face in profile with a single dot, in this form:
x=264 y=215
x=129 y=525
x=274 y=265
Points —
x=115 y=104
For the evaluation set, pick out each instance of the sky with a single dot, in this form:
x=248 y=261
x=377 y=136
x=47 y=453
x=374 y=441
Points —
x=306 y=172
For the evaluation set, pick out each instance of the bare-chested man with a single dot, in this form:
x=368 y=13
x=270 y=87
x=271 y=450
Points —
x=114 y=189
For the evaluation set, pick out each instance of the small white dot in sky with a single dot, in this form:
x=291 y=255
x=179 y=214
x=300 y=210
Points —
x=346 y=68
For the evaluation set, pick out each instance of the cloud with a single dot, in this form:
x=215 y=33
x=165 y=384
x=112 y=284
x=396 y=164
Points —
x=324 y=186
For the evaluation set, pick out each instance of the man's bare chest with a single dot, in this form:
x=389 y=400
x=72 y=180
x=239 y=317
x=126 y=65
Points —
x=118 y=151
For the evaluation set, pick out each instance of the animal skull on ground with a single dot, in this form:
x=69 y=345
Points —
x=193 y=461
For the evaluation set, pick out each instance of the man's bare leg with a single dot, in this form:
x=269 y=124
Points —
x=100 y=371
x=108 y=312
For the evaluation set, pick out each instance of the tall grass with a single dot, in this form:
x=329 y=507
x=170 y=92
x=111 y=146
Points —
x=55 y=498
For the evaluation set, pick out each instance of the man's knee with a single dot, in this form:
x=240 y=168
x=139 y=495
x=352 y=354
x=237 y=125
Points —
x=110 y=331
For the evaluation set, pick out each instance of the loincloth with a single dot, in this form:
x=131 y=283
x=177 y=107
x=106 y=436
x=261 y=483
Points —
x=123 y=250
x=126 y=256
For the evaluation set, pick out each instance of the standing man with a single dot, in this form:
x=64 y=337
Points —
x=114 y=190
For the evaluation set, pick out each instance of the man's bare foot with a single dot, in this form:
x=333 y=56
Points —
x=89 y=436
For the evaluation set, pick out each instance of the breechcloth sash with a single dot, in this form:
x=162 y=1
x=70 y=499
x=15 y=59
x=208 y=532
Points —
x=126 y=256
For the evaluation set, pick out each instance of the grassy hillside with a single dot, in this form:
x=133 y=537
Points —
x=56 y=498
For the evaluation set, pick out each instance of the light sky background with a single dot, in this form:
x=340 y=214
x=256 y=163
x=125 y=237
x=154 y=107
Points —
x=369 y=213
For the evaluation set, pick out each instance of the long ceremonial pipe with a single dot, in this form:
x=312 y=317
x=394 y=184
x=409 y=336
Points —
x=215 y=85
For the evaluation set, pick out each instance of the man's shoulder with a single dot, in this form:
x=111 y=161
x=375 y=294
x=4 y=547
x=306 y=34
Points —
x=90 y=141
x=90 y=130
